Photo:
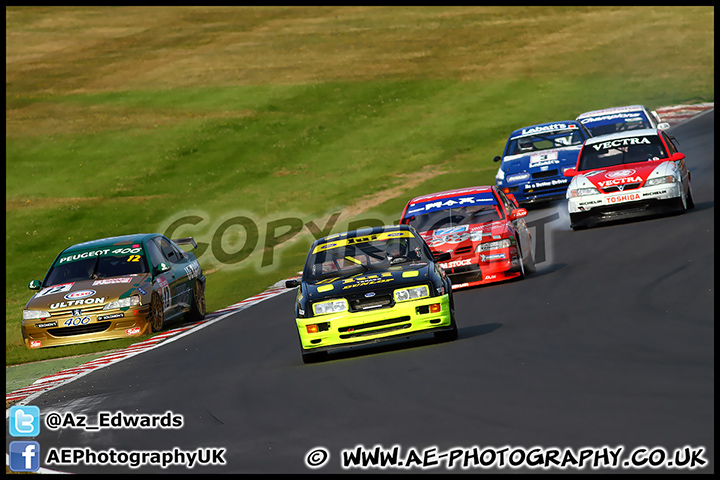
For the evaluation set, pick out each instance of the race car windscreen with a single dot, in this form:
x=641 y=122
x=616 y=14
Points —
x=361 y=254
x=620 y=152
x=451 y=217
x=545 y=141
x=95 y=264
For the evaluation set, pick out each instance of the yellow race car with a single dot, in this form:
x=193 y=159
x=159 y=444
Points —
x=114 y=288
x=371 y=285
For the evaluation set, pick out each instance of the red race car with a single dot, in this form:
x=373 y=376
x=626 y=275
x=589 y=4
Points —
x=482 y=229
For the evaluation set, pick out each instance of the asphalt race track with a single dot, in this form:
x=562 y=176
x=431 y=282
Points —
x=608 y=346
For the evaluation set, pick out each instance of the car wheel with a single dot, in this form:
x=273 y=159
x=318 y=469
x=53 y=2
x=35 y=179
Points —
x=690 y=201
x=448 y=335
x=157 y=315
x=530 y=264
x=197 y=310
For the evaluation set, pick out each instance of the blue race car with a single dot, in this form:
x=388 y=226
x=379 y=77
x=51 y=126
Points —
x=535 y=158
x=620 y=119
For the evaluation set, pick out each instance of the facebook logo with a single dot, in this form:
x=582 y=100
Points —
x=24 y=421
x=24 y=456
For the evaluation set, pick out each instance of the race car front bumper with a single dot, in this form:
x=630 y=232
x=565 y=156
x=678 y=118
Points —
x=66 y=329
x=347 y=329
x=591 y=209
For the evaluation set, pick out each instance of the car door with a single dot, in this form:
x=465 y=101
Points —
x=672 y=149
x=172 y=282
x=519 y=223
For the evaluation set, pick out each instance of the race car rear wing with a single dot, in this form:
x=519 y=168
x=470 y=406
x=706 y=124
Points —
x=186 y=241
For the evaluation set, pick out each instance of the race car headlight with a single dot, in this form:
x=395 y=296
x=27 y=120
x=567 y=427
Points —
x=659 y=180
x=500 y=176
x=484 y=247
x=123 y=302
x=331 y=306
x=33 y=314
x=580 y=192
x=413 y=293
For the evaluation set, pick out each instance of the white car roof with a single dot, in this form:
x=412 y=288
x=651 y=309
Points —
x=625 y=134
x=605 y=111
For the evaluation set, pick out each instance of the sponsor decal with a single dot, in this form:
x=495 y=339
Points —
x=550 y=183
x=141 y=291
x=97 y=253
x=619 y=182
x=367 y=280
x=456 y=263
x=495 y=256
x=112 y=281
x=449 y=230
x=70 y=303
x=622 y=142
x=62 y=288
x=192 y=270
x=648 y=194
x=547 y=128
x=620 y=173
x=545 y=158
x=35 y=344
x=132 y=331
x=627 y=117
x=622 y=198
x=80 y=294
x=490 y=277
x=46 y=324
x=110 y=317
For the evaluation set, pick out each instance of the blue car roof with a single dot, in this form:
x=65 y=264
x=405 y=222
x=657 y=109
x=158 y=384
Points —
x=548 y=127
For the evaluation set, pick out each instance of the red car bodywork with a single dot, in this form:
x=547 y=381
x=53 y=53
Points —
x=498 y=226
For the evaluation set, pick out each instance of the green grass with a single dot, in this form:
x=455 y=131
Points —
x=125 y=119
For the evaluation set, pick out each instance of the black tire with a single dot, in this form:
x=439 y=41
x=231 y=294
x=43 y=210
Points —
x=690 y=201
x=157 y=314
x=530 y=265
x=449 y=335
x=197 y=309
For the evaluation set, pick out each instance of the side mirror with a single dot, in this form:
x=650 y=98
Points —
x=442 y=257
x=34 y=285
x=292 y=283
x=497 y=158
x=676 y=157
x=517 y=213
x=570 y=172
x=663 y=126
x=162 y=268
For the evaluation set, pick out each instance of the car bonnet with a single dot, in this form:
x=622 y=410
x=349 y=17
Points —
x=622 y=174
x=395 y=276
x=89 y=292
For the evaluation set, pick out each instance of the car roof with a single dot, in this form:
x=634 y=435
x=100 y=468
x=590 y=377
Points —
x=362 y=232
x=112 y=241
x=451 y=193
x=547 y=126
x=628 y=133
x=605 y=111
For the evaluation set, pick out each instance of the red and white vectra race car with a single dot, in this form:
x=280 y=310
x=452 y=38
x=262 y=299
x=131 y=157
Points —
x=625 y=175
x=483 y=230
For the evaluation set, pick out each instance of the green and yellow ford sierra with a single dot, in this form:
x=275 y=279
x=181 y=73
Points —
x=371 y=285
